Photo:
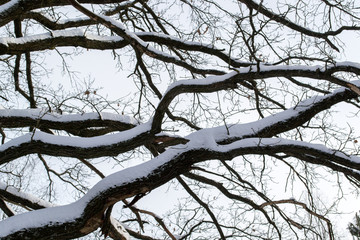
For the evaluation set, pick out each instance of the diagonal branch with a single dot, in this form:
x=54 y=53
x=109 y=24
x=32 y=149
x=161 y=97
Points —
x=139 y=44
x=204 y=205
x=85 y=215
x=40 y=142
x=285 y=22
x=230 y=81
x=230 y=195
x=6 y=209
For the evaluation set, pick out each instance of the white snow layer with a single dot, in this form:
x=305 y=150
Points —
x=44 y=114
x=73 y=211
x=203 y=139
x=26 y=196
x=5 y=7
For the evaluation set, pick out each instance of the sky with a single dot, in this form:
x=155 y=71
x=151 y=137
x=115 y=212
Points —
x=99 y=65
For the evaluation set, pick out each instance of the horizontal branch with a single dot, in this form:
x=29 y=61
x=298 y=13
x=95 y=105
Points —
x=138 y=44
x=60 y=38
x=15 y=8
x=84 y=216
x=45 y=143
x=86 y=125
x=112 y=145
x=81 y=38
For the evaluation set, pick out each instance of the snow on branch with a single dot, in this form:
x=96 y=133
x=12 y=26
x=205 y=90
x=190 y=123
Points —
x=11 y=118
x=114 y=144
x=151 y=174
x=43 y=114
x=90 y=147
x=30 y=201
x=240 y=75
x=282 y=19
x=74 y=37
x=282 y=121
x=27 y=200
x=81 y=38
x=138 y=44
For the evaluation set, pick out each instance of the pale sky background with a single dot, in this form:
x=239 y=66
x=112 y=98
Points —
x=101 y=66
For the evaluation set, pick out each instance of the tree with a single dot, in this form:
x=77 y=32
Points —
x=354 y=227
x=231 y=101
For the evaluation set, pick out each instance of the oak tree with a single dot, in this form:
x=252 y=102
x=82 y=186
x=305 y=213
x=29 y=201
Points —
x=244 y=108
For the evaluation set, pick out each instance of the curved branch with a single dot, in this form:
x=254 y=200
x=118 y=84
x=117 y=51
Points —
x=84 y=216
x=10 y=194
x=45 y=143
x=230 y=81
x=40 y=142
x=303 y=205
x=285 y=22
x=139 y=44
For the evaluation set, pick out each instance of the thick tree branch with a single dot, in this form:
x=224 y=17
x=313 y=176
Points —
x=79 y=38
x=15 y=8
x=129 y=182
x=230 y=81
x=10 y=194
x=39 y=142
x=86 y=125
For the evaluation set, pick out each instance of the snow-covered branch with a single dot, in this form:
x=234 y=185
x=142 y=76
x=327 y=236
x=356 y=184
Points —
x=232 y=79
x=76 y=217
x=81 y=38
x=223 y=92
x=114 y=144
x=86 y=125
x=14 y=8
